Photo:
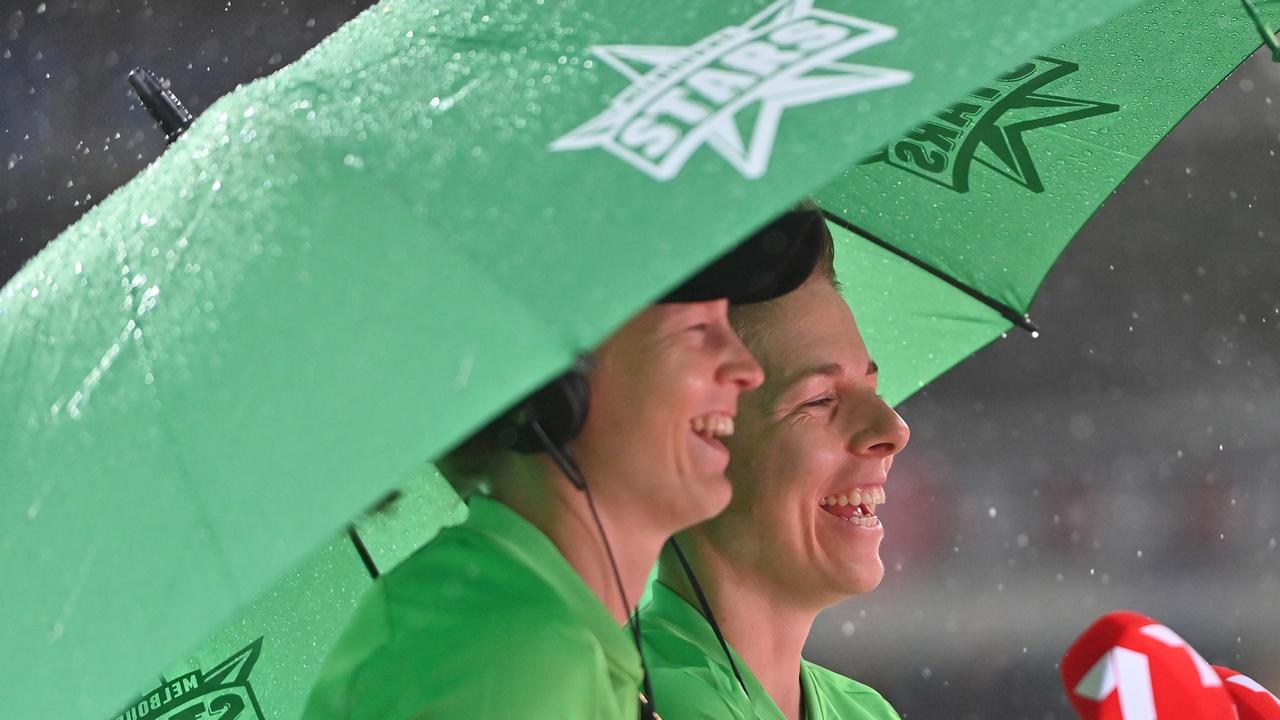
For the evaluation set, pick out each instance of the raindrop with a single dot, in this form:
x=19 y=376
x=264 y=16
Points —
x=847 y=628
x=1081 y=426
x=991 y=512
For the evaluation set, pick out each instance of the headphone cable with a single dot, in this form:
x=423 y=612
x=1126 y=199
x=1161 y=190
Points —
x=706 y=610
x=569 y=467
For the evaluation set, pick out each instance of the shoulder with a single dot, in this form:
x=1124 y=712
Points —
x=697 y=693
x=687 y=683
x=856 y=700
x=455 y=631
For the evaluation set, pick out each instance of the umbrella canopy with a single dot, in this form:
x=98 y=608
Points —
x=990 y=190
x=342 y=269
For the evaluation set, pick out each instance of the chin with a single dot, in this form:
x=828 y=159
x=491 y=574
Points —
x=861 y=578
x=866 y=584
x=706 y=498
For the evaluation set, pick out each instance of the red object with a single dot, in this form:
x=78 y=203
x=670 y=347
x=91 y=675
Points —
x=1127 y=666
x=1253 y=702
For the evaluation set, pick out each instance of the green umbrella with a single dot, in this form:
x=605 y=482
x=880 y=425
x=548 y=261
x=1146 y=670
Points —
x=342 y=269
x=1032 y=155
x=1021 y=162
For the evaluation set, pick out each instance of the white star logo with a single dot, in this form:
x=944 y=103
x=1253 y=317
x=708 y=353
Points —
x=681 y=98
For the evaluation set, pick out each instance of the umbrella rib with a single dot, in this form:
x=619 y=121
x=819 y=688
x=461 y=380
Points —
x=365 y=556
x=1021 y=320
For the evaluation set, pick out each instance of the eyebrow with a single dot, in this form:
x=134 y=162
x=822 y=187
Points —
x=824 y=370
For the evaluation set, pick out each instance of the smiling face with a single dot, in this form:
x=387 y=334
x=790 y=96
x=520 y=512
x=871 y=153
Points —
x=664 y=391
x=810 y=455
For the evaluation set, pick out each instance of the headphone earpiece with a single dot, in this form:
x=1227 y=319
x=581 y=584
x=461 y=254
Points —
x=559 y=408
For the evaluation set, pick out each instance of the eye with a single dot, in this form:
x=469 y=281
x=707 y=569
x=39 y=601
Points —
x=820 y=402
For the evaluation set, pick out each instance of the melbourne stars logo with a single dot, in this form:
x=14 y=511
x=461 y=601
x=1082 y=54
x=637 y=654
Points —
x=988 y=126
x=728 y=90
x=222 y=693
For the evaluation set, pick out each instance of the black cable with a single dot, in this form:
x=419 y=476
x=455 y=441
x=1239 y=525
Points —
x=706 y=611
x=570 y=468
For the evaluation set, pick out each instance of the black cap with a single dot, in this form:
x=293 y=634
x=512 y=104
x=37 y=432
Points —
x=775 y=260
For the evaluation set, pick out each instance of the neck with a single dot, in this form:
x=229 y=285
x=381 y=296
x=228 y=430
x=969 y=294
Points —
x=541 y=494
x=771 y=650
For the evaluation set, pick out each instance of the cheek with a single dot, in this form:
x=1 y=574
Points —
x=807 y=459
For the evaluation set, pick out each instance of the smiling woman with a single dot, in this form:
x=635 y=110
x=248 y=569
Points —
x=810 y=460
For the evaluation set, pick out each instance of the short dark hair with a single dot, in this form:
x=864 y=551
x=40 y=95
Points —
x=826 y=267
x=746 y=319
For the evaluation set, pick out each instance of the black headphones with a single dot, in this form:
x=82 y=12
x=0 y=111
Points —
x=554 y=413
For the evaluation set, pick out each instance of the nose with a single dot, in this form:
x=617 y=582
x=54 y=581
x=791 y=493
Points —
x=885 y=435
x=739 y=366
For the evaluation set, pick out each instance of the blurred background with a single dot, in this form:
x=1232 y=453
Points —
x=1127 y=458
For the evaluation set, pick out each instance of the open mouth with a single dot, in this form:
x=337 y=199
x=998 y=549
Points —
x=856 y=506
x=712 y=426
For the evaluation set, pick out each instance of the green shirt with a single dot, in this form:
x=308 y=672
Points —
x=692 y=679
x=488 y=620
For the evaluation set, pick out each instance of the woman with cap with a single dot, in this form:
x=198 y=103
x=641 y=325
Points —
x=518 y=612
x=810 y=457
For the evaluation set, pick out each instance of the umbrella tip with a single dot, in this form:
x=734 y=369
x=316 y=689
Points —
x=1026 y=323
x=162 y=104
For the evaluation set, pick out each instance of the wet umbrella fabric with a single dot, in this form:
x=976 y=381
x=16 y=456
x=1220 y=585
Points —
x=344 y=268
x=990 y=190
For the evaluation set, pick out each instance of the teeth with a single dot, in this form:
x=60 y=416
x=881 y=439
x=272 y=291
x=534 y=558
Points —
x=713 y=425
x=868 y=497
x=866 y=521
